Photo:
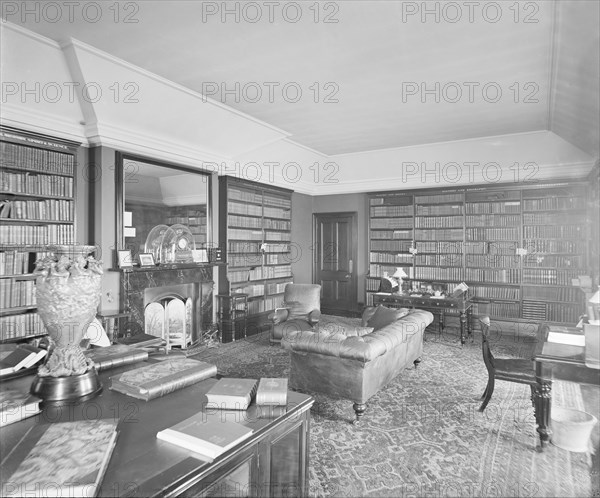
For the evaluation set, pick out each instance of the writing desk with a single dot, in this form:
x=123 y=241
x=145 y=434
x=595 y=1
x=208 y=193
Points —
x=561 y=362
x=462 y=304
x=273 y=461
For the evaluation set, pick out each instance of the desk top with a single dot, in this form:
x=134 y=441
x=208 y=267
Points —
x=557 y=352
x=461 y=303
x=141 y=464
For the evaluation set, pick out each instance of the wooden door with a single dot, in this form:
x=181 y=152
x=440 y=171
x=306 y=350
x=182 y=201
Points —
x=335 y=259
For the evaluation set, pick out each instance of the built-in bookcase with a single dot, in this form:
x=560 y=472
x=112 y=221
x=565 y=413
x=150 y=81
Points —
x=37 y=209
x=255 y=227
x=518 y=249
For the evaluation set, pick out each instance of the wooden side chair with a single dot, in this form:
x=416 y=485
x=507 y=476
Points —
x=509 y=369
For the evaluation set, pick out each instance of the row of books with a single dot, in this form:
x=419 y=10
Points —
x=492 y=233
x=391 y=223
x=37 y=234
x=505 y=207
x=260 y=272
x=21 y=326
x=379 y=271
x=385 y=257
x=439 y=198
x=16 y=293
x=275 y=287
x=243 y=247
x=443 y=234
x=252 y=290
x=451 y=259
x=391 y=245
x=548 y=276
x=439 y=247
x=391 y=200
x=49 y=209
x=19 y=262
x=560 y=294
x=36 y=184
x=392 y=211
x=564 y=218
x=510 y=276
x=245 y=234
x=446 y=209
x=554 y=261
x=504 y=310
x=492 y=196
x=275 y=212
x=553 y=232
x=489 y=220
x=391 y=234
x=246 y=209
x=234 y=220
x=536 y=246
x=31 y=158
x=492 y=260
x=279 y=247
x=186 y=220
x=439 y=222
x=439 y=274
x=277 y=236
x=245 y=195
x=503 y=292
x=554 y=203
x=266 y=304
x=281 y=202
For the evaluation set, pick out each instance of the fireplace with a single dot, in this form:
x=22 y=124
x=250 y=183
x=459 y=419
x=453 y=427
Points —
x=173 y=302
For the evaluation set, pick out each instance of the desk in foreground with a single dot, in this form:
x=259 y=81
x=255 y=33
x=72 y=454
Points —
x=273 y=461
x=561 y=362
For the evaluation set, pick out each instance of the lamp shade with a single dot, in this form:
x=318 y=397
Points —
x=400 y=273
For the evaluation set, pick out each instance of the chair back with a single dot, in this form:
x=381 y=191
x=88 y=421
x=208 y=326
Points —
x=488 y=357
x=305 y=297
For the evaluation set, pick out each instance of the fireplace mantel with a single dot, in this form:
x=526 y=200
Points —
x=136 y=280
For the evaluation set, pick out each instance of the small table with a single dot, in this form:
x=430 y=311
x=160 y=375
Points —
x=462 y=304
x=557 y=361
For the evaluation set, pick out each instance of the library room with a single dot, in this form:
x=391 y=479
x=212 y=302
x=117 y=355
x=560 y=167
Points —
x=329 y=248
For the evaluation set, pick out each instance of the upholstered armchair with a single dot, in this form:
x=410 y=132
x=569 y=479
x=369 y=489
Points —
x=301 y=311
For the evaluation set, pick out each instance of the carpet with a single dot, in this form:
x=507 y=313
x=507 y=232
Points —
x=422 y=435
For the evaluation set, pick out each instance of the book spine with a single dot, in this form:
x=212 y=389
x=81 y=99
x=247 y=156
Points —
x=127 y=359
x=177 y=381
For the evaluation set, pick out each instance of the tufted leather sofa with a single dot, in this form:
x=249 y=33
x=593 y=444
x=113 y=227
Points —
x=351 y=365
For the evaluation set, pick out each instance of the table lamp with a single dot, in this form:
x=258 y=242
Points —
x=399 y=275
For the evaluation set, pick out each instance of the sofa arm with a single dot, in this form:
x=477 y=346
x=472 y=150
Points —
x=314 y=316
x=279 y=315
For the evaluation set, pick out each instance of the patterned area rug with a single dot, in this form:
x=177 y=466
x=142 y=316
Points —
x=423 y=434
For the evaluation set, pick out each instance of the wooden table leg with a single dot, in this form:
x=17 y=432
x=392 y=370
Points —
x=542 y=397
x=470 y=323
x=463 y=323
x=442 y=318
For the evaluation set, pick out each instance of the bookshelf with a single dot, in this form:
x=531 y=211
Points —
x=518 y=248
x=255 y=227
x=193 y=217
x=37 y=209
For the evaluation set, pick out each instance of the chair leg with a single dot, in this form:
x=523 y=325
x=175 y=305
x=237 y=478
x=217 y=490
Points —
x=416 y=362
x=488 y=394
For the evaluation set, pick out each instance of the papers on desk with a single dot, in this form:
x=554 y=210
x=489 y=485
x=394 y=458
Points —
x=570 y=339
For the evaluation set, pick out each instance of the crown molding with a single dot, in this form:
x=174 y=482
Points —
x=147 y=145
x=115 y=60
x=4 y=24
x=43 y=123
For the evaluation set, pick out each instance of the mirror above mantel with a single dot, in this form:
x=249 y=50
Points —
x=163 y=210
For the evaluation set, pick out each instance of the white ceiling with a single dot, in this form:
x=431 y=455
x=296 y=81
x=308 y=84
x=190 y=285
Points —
x=367 y=57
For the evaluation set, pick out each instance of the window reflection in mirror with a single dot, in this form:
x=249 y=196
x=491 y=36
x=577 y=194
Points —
x=165 y=203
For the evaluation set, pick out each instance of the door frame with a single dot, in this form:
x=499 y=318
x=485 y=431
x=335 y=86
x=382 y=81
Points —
x=354 y=248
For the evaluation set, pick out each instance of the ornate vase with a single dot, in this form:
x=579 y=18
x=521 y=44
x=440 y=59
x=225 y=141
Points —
x=68 y=286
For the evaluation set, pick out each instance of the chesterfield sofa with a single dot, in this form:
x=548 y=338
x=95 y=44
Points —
x=355 y=362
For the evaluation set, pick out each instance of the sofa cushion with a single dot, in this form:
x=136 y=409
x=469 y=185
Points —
x=298 y=310
x=384 y=316
x=367 y=314
x=346 y=329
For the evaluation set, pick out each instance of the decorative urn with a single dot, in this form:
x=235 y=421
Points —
x=68 y=286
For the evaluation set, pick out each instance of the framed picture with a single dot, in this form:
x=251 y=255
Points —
x=124 y=258
x=146 y=259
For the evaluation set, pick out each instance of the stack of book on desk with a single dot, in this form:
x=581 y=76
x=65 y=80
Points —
x=207 y=433
x=271 y=397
